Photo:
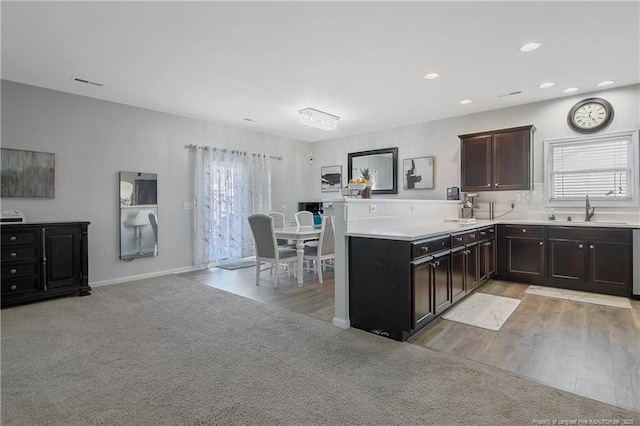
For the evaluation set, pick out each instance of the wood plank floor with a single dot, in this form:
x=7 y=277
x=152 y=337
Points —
x=587 y=349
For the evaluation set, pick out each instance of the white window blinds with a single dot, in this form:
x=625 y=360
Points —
x=600 y=167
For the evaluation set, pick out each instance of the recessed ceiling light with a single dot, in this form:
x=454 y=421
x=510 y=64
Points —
x=571 y=89
x=546 y=85
x=465 y=102
x=605 y=83
x=530 y=46
x=432 y=75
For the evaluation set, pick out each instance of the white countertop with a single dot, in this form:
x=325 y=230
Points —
x=429 y=228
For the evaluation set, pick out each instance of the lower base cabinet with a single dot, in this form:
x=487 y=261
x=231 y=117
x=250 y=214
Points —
x=44 y=260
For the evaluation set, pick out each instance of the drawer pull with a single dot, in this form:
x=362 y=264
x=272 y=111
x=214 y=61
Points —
x=540 y=242
x=483 y=233
x=13 y=271
x=580 y=246
x=13 y=287
x=524 y=230
x=458 y=238
x=425 y=248
x=472 y=235
x=13 y=238
x=13 y=254
x=591 y=247
x=488 y=184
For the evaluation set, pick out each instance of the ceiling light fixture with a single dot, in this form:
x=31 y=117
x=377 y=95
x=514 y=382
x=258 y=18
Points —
x=465 y=102
x=432 y=75
x=318 y=119
x=546 y=85
x=605 y=83
x=571 y=89
x=530 y=46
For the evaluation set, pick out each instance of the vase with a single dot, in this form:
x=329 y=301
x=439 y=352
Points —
x=366 y=192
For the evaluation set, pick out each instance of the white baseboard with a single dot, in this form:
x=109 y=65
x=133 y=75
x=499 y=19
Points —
x=342 y=323
x=144 y=276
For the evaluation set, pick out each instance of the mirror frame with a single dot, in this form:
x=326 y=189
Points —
x=393 y=151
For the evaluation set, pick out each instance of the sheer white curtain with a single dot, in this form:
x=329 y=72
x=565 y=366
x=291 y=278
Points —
x=229 y=186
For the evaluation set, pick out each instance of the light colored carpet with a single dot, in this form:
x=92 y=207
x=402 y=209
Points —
x=579 y=296
x=169 y=351
x=237 y=264
x=483 y=310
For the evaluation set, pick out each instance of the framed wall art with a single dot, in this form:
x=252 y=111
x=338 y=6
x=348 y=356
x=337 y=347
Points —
x=27 y=174
x=418 y=173
x=330 y=178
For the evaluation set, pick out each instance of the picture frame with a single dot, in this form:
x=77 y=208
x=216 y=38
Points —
x=27 y=174
x=417 y=173
x=330 y=178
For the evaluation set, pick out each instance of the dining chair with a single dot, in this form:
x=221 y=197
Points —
x=304 y=218
x=326 y=248
x=267 y=249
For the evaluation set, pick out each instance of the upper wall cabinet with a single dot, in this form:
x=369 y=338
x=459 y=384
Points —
x=498 y=160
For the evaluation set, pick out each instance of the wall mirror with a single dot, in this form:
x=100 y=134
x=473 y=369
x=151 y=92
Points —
x=383 y=166
x=138 y=215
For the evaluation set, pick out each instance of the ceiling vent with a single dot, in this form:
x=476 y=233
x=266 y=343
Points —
x=510 y=94
x=82 y=80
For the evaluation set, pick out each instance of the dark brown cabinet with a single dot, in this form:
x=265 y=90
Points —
x=522 y=253
x=590 y=259
x=43 y=260
x=499 y=160
x=464 y=264
x=441 y=283
x=486 y=253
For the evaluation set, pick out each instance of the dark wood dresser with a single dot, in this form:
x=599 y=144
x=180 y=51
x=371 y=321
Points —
x=44 y=260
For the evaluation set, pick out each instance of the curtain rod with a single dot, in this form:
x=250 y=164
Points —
x=225 y=150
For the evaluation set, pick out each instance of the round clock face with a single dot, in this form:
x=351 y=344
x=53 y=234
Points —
x=590 y=115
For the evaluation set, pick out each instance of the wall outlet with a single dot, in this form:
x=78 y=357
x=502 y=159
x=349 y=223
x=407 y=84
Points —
x=187 y=205
x=373 y=208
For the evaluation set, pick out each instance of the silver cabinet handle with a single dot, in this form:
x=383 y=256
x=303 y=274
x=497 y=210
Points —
x=580 y=246
x=483 y=233
x=13 y=287
x=488 y=184
x=524 y=230
x=541 y=243
x=425 y=248
x=13 y=254
x=13 y=238
x=458 y=238
x=591 y=247
x=13 y=271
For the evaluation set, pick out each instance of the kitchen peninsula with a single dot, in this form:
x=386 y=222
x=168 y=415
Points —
x=400 y=264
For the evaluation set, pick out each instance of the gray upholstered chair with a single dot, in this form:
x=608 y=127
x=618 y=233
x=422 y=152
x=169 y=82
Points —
x=326 y=248
x=267 y=249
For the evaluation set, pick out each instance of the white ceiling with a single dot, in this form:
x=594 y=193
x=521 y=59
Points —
x=363 y=61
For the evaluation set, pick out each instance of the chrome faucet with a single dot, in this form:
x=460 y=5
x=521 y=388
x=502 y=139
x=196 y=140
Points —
x=589 y=214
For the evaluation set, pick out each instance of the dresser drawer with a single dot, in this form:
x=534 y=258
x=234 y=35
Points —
x=19 y=253
x=11 y=237
x=464 y=238
x=21 y=285
x=428 y=247
x=22 y=269
x=525 y=231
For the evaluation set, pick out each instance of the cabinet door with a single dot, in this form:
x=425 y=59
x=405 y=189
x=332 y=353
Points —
x=471 y=267
x=567 y=260
x=458 y=288
x=525 y=258
x=476 y=163
x=511 y=159
x=63 y=258
x=487 y=260
x=423 y=311
x=441 y=284
x=609 y=267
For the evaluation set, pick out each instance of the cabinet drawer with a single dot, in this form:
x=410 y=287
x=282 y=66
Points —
x=486 y=233
x=12 y=237
x=464 y=238
x=589 y=234
x=18 y=253
x=12 y=269
x=428 y=247
x=20 y=285
x=525 y=231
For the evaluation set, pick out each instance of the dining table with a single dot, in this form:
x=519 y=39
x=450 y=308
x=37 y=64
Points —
x=299 y=234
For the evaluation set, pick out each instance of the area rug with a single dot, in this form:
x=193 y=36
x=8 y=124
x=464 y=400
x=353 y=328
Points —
x=237 y=264
x=580 y=296
x=483 y=310
x=169 y=351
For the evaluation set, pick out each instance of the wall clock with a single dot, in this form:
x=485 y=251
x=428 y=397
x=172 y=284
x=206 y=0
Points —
x=590 y=115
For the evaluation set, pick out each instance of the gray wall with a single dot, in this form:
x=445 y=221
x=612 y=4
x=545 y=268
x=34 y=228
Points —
x=440 y=139
x=93 y=140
